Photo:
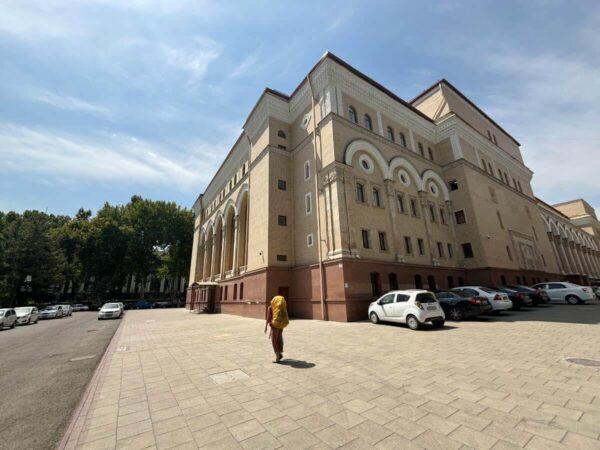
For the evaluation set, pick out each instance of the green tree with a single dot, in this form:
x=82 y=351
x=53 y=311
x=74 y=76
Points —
x=31 y=259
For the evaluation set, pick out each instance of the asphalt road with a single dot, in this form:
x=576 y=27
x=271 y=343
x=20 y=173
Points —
x=39 y=384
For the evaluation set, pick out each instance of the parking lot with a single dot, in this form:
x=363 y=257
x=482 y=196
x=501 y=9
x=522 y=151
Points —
x=44 y=370
x=179 y=379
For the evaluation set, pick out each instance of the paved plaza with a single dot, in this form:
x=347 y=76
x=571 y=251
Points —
x=175 y=379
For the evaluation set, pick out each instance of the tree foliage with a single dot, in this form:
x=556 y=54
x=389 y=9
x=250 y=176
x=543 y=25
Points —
x=43 y=255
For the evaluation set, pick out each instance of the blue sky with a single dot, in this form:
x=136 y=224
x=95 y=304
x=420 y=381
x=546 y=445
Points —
x=103 y=99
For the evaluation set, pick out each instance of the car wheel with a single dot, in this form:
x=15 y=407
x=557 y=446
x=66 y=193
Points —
x=374 y=318
x=572 y=299
x=14 y=324
x=437 y=323
x=413 y=322
x=456 y=314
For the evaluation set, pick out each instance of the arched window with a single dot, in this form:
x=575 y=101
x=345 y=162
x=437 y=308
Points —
x=390 y=134
x=393 y=280
x=281 y=134
x=431 y=282
x=418 y=282
x=402 y=140
x=368 y=122
x=352 y=114
x=360 y=193
x=375 y=284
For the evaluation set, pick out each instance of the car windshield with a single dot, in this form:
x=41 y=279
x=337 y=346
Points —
x=426 y=297
x=111 y=306
x=461 y=294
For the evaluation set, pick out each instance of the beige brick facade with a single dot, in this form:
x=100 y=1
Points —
x=342 y=190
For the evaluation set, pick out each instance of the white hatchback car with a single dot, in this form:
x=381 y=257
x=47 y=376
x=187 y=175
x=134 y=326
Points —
x=27 y=315
x=8 y=318
x=413 y=307
x=498 y=300
x=568 y=292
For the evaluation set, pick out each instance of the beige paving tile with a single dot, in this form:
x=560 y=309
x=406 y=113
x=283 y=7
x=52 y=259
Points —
x=299 y=439
x=370 y=432
x=335 y=436
x=405 y=428
x=315 y=422
x=347 y=419
x=175 y=438
x=282 y=425
x=542 y=429
x=577 y=441
x=134 y=429
x=139 y=442
x=210 y=434
x=433 y=440
x=473 y=438
x=263 y=441
x=246 y=430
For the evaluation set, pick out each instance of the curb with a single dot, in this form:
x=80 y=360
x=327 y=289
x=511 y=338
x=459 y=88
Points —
x=73 y=430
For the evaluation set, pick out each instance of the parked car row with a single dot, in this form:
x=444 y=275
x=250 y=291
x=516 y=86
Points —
x=416 y=307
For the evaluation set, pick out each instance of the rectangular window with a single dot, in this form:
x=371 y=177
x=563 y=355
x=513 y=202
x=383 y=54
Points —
x=450 y=250
x=309 y=240
x=442 y=215
x=421 y=245
x=308 y=203
x=453 y=185
x=307 y=170
x=282 y=221
x=365 y=239
x=413 y=208
x=401 y=206
x=460 y=217
x=376 y=197
x=432 y=213
x=382 y=242
x=440 y=248
x=281 y=185
x=281 y=257
x=467 y=250
x=408 y=245
x=360 y=192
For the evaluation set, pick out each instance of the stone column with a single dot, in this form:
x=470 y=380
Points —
x=212 y=255
x=236 y=232
x=199 y=263
x=223 y=250
x=426 y=217
x=569 y=254
x=584 y=263
x=586 y=255
x=563 y=254
x=555 y=252
x=206 y=264
x=392 y=205
x=573 y=249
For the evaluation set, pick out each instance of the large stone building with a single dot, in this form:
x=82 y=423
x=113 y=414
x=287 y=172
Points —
x=342 y=190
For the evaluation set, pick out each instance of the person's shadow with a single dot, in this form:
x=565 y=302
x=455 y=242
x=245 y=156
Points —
x=296 y=364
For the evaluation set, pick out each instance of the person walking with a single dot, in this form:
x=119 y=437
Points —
x=277 y=319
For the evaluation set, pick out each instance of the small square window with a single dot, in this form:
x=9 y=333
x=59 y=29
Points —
x=460 y=217
x=309 y=240
x=307 y=170
x=308 y=203
x=282 y=221
x=281 y=185
x=281 y=257
x=453 y=184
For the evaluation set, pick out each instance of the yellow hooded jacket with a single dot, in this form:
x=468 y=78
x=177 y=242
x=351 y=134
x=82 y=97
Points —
x=280 y=315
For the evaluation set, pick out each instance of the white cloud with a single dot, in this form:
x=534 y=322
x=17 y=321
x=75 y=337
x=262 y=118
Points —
x=69 y=103
x=104 y=158
x=194 y=59
x=247 y=66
